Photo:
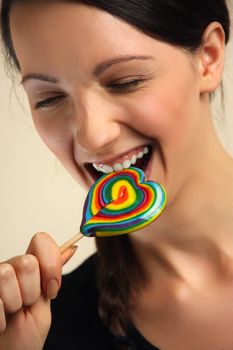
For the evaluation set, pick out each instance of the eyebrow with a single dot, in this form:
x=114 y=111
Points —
x=97 y=71
x=39 y=76
x=117 y=60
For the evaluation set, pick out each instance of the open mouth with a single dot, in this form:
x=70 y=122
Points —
x=138 y=159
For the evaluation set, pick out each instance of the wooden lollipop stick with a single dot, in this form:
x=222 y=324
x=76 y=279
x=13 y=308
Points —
x=71 y=242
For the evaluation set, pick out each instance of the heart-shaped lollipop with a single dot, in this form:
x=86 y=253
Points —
x=120 y=203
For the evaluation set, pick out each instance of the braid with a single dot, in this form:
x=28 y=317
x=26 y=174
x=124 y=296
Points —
x=117 y=273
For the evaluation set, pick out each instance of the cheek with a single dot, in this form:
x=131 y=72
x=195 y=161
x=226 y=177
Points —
x=56 y=134
x=167 y=113
x=159 y=118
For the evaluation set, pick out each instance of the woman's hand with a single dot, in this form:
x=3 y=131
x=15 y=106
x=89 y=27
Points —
x=27 y=284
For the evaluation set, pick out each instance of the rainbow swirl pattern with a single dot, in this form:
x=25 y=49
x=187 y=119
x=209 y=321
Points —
x=120 y=203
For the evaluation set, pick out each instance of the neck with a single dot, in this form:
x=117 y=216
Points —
x=198 y=222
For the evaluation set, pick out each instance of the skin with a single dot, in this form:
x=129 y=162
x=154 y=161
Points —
x=88 y=121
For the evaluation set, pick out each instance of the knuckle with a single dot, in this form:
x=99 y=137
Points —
x=40 y=235
x=6 y=272
x=28 y=263
x=12 y=308
x=37 y=242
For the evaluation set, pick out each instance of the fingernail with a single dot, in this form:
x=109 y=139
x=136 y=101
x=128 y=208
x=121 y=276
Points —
x=67 y=255
x=73 y=250
x=52 y=289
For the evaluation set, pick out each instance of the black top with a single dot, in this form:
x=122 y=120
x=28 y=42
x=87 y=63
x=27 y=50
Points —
x=75 y=321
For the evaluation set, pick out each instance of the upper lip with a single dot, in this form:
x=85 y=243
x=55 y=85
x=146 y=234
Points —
x=120 y=158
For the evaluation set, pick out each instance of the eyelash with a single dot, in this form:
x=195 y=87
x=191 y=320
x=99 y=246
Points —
x=49 y=102
x=125 y=86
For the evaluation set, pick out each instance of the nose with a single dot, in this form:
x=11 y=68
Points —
x=97 y=124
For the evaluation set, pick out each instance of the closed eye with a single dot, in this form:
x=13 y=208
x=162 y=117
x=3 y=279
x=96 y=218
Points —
x=49 y=102
x=125 y=86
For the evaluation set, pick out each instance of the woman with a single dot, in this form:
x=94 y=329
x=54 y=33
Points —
x=106 y=81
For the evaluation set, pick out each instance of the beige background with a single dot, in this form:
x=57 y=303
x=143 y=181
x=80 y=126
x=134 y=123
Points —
x=36 y=194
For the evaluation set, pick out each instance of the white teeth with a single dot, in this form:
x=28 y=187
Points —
x=117 y=167
x=140 y=155
x=107 y=169
x=133 y=159
x=120 y=166
x=96 y=167
x=126 y=164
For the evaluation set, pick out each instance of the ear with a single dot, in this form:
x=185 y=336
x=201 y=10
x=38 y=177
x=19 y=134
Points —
x=211 y=57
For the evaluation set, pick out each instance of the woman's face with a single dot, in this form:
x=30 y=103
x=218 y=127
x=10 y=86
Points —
x=104 y=95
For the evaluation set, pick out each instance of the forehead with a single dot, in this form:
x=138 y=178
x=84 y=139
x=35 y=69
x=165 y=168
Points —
x=63 y=38
x=69 y=31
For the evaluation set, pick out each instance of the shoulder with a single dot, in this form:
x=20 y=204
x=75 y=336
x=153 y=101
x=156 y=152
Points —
x=75 y=319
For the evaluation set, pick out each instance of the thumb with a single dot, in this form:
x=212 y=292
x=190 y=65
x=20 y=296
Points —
x=48 y=255
x=50 y=261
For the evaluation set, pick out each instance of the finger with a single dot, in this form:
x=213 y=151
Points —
x=42 y=312
x=48 y=254
x=28 y=275
x=9 y=289
x=2 y=317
